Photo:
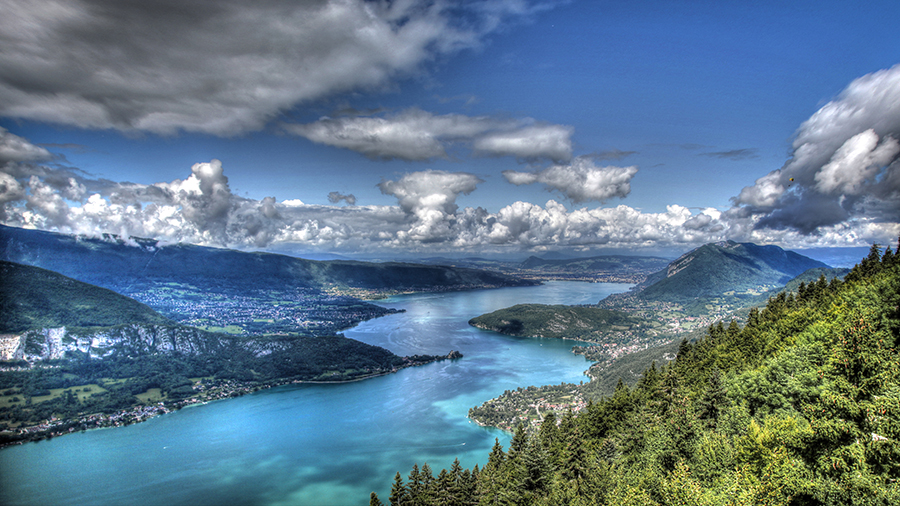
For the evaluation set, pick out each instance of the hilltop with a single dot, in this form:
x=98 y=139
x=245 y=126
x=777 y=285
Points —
x=607 y=263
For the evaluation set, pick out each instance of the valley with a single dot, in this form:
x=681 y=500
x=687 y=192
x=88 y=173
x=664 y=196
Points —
x=263 y=330
x=62 y=379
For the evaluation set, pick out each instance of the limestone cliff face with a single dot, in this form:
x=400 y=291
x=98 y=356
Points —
x=55 y=343
x=12 y=347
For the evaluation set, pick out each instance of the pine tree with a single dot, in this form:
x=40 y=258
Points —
x=399 y=495
x=733 y=330
x=373 y=500
x=429 y=485
x=442 y=485
x=713 y=401
x=518 y=442
x=491 y=479
x=576 y=467
x=551 y=439
x=537 y=468
x=456 y=488
x=414 y=486
x=470 y=486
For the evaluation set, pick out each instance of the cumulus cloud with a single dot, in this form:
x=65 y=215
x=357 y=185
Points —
x=201 y=209
x=856 y=163
x=416 y=135
x=223 y=67
x=845 y=164
x=580 y=181
x=335 y=197
x=430 y=197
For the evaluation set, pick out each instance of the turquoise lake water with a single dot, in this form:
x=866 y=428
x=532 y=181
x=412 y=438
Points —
x=316 y=444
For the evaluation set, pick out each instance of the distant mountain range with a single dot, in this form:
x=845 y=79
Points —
x=114 y=263
x=724 y=268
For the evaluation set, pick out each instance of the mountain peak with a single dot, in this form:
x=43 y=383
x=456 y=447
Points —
x=726 y=266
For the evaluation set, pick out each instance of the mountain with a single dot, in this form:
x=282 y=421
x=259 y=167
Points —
x=118 y=264
x=34 y=298
x=725 y=268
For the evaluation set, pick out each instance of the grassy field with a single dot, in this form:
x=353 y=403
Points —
x=80 y=391
x=228 y=329
x=151 y=395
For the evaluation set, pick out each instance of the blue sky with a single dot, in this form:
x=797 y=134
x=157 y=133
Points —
x=409 y=127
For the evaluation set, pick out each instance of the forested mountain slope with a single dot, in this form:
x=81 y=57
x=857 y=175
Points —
x=34 y=298
x=801 y=406
x=714 y=269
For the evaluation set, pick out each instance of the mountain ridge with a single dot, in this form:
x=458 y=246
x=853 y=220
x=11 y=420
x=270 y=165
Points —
x=111 y=262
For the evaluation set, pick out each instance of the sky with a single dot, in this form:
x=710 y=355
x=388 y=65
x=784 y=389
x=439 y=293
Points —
x=421 y=128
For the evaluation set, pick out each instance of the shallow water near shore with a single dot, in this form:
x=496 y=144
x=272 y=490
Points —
x=311 y=443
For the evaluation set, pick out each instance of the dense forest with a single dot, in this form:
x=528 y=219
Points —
x=800 y=406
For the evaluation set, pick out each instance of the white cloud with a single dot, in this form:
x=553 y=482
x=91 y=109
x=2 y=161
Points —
x=417 y=135
x=856 y=163
x=430 y=189
x=221 y=68
x=580 y=181
x=551 y=142
x=844 y=164
x=765 y=193
x=201 y=209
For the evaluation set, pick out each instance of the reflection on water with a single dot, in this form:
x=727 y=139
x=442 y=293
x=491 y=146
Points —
x=316 y=444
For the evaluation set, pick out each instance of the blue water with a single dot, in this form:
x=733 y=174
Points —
x=316 y=444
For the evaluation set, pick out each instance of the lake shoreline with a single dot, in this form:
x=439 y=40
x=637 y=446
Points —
x=141 y=413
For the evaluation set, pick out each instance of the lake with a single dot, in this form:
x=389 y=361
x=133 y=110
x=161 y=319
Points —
x=316 y=444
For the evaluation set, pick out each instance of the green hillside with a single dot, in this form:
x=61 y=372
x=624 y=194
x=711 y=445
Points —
x=800 y=406
x=33 y=298
x=557 y=321
x=728 y=267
